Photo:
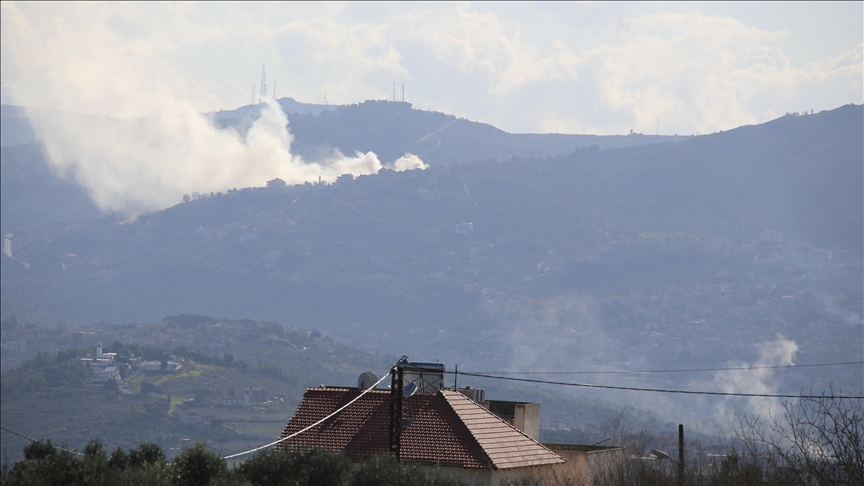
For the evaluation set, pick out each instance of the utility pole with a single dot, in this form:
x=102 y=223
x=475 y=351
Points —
x=396 y=376
x=680 y=454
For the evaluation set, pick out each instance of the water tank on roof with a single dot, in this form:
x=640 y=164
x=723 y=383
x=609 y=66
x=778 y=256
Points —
x=429 y=377
x=366 y=380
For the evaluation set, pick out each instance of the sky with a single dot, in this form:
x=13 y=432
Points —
x=148 y=72
x=601 y=68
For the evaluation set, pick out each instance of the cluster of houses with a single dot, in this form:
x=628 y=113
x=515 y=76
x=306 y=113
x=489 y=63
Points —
x=106 y=368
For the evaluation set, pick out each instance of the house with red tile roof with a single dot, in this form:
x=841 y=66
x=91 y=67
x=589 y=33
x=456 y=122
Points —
x=444 y=429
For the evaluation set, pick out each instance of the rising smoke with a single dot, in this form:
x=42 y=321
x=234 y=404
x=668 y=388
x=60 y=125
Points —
x=757 y=379
x=154 y=144
x=133 y=166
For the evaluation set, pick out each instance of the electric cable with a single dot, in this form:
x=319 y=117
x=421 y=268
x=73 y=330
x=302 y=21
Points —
x=657 y=390
x=295 y=434
x=31 y=439
x=741 y=368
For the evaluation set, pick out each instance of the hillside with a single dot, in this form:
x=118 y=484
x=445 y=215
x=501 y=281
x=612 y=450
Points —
x=33 y=193
x=221 y=360
x=392 y=129
x=695 y=252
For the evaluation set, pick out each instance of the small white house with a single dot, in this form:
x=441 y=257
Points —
x=109 y=373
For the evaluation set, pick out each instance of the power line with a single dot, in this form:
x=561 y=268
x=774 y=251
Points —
x=658 y=390
x=609 y=372
x=295 y=434
x=31 y=439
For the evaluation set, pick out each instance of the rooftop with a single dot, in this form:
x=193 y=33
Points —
x=447 y=429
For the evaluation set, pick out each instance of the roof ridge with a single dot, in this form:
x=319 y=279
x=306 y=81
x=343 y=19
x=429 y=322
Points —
x=452 y=394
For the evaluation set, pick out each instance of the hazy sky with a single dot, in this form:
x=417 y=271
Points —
x=524 y=67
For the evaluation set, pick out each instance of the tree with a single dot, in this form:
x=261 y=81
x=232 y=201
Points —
x=814 y=440
x=198 y=466
x=312 y=468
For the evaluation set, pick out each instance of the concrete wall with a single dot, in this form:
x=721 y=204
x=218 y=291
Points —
x=522 y=415
x=589 y=465
x=527 y=419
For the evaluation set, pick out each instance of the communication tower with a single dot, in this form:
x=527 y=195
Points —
x=403 y=92
x=262 y=93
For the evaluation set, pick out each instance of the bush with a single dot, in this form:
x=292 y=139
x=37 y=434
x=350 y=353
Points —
x=386 y=471
x=198 y=466
x=312 y=468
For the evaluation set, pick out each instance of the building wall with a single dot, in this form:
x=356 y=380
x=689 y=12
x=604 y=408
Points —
x=527 y=419
x=589 y=466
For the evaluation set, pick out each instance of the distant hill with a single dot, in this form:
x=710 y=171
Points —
x=33 y=193
x=270 y=254
x=392 y=129
x=685 y=254
x=289 y=105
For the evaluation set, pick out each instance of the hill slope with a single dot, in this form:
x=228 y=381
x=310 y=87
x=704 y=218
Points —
x=696 y=252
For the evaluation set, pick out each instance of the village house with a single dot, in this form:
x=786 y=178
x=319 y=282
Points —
x=107 y=374
x=443 y=429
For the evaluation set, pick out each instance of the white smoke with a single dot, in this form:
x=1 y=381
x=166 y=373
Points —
x=147 y=164
x=755 y=378
x=157 y=145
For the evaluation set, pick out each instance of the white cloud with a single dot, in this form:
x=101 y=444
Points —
x=571 y=68
x=160 y=145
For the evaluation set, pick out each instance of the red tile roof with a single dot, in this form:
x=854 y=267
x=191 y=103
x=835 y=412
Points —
x=448 y=429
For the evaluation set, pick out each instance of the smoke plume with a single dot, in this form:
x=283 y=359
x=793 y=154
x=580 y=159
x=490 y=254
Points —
x=779 y=352
x=153 y=145
x=146 y=164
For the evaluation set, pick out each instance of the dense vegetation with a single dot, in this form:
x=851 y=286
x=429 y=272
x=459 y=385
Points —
x=45 y=464
x=45 y=371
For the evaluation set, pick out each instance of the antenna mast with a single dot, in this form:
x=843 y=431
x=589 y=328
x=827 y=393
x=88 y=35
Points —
x=403 y=92
x=394 y=90
x=262 y=93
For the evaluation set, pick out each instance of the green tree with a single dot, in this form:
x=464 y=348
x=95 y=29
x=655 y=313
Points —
x=199 y=466
x=386 y=471
x=311 y=468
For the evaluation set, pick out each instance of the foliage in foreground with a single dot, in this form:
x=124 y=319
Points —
x=45 y=464
x=814 y=441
